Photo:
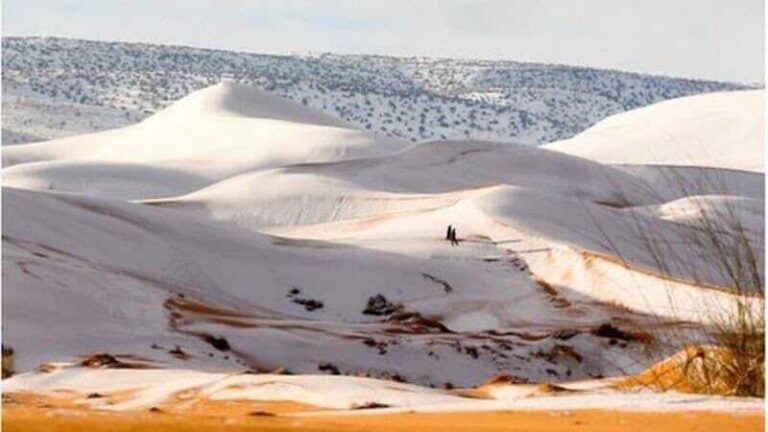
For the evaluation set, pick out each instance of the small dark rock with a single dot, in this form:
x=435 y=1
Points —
x=218 y=342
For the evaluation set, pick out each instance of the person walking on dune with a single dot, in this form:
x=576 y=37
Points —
x=454 y=240
x=448 y=233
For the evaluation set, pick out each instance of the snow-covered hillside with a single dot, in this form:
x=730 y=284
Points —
x=59 y=87
x=236 y=230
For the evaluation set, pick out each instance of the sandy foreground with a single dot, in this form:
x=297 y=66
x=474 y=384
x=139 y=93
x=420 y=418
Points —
x=24 y=412
x=76 y=398
x=37 y=419
x=35 y=414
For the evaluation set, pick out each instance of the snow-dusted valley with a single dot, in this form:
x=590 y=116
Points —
x=58 y=87
x=234 y=230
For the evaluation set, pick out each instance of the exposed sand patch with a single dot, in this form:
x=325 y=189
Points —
x=32 y=413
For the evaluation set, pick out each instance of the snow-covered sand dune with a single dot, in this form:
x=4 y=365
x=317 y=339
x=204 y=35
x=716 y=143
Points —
x=427 y=176
x=152 y=255
x=586 y=249
x=722 y=130
x=108 y=179
x=236 y=230
x=212 y=134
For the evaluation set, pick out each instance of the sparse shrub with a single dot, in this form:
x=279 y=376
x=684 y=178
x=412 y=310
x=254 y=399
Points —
x=218 y=342
x=8 y=369
x=379 y=305
x=729 y=359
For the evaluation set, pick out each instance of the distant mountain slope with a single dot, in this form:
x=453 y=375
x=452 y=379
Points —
x=58 y=87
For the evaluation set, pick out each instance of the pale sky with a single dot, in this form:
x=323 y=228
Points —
x=714 y=39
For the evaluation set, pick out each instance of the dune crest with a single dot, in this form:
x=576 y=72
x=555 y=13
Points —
x=236 y=230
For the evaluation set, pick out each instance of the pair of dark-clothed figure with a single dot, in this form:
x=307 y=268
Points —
x=450 y=235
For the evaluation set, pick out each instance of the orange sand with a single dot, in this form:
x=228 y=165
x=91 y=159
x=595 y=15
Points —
x=32 y=415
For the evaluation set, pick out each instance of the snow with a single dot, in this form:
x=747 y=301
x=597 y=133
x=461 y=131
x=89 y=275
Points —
x=206 y=136
x=111 y=179
x=315 y=247
x=565 y=242
x=339 y=395
x=426 y=176
x=603 y=230
x=153 y=387
x=236 y=100
x=723 y=130
x=54 y=87
x=669 y=182
x=242 y=271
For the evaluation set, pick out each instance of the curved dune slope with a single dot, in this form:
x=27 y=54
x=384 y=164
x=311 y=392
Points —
x=590 y=251
x=722 y=130
x=623 y=235
x=239 y=100
x=425 y=176
x=141 y=280
x=236 y=230
x=106 y=179
x=214 y=133
x=669 y=182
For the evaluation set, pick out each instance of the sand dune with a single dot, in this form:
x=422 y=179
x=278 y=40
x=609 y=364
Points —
x=424 y=177
x=238 y=231
x=214 y=133
x=722 y=130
